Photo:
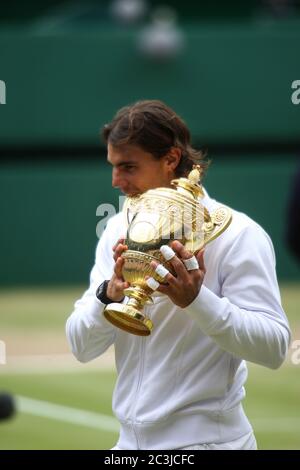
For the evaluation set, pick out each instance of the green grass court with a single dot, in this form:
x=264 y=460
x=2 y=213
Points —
x=32 y=324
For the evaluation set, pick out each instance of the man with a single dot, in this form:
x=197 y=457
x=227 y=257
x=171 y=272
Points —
x=182 y=386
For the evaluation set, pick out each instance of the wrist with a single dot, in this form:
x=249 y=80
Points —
x=104 y=294
x=101 y=293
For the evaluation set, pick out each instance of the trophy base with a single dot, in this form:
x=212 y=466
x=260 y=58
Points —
x=128 y=319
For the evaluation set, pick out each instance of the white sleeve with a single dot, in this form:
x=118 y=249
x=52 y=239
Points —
x=88 y=332
x=247 y=319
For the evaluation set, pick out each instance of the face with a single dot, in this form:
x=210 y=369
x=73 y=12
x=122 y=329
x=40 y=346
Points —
x=135 y=171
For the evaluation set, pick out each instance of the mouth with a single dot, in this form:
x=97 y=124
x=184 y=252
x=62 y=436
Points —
x=131 y=193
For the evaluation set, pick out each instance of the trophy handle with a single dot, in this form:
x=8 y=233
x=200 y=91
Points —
x=220 y=219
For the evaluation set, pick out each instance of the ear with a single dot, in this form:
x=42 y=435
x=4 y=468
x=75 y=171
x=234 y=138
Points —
x=173 y=158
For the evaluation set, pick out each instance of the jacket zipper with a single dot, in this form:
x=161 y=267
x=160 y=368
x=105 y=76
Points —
x=139 y=382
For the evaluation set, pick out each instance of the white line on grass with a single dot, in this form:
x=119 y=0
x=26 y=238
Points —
x=66 y=414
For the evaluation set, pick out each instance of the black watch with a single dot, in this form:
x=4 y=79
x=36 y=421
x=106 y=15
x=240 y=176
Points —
x=101 y=293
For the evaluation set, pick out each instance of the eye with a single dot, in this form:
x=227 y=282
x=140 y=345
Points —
x=130 y=168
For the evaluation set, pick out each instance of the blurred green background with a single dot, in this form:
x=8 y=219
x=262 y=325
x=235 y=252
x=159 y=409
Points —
x=68 y=67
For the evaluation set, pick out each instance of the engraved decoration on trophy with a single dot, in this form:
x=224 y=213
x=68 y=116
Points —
x=155 y=218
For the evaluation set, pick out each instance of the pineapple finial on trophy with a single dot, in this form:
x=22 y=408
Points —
x=195 y=174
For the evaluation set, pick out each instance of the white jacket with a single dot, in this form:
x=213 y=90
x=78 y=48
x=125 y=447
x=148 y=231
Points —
x=183 y=384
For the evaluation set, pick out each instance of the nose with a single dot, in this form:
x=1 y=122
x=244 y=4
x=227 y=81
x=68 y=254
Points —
x=117 y=180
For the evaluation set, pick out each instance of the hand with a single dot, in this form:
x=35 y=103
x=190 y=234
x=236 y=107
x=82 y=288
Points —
x=184 y=288
x=116 y=286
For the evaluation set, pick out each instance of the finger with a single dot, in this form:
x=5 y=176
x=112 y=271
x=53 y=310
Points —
x=167 y=252
x=118 y=267
x=190 y=261
x=162 y=274
x=119 y=250
x=200 y=259
x=181 y=250
x=120 y=241
x=152 y=283
x=156 y=286
x=191 y=264
x=124 y=285
x=164 y=289
x=161 y=271
x=176 y=263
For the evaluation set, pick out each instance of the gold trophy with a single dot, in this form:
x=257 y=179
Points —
x=155 y=218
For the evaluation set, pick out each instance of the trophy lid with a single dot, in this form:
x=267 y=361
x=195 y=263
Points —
x=190 y=186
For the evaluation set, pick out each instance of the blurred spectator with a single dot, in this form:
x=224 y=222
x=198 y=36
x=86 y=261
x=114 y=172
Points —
x=278 y=9
x=128 y=11
x=293 y=220
x=162 y=39
x=7 y=406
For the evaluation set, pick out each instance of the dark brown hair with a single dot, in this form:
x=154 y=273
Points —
x=153 y=126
